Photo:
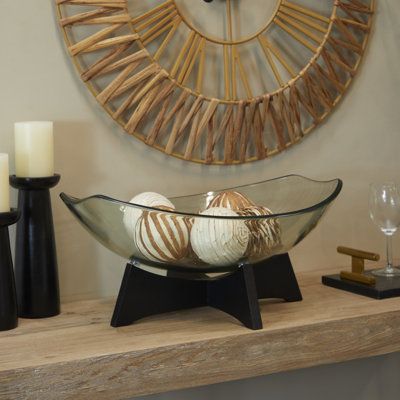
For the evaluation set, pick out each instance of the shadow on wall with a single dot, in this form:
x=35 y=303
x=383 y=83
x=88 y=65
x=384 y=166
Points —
x=78 y=255
x=75 y=156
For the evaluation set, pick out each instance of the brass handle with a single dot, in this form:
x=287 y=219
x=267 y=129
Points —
x=357 y=258
x=357 y=265
x=358 y=253
x=351 y=276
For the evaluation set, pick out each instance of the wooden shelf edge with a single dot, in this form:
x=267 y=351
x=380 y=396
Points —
x=238 y=354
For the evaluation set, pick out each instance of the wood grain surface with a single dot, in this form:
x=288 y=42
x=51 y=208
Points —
x=77 y=355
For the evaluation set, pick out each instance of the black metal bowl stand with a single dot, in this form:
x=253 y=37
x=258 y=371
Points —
x=143 y=294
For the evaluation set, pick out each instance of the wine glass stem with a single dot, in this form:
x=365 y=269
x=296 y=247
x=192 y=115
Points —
x=389 y=258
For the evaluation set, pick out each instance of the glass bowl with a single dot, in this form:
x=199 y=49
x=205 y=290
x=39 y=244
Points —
x=267 y=218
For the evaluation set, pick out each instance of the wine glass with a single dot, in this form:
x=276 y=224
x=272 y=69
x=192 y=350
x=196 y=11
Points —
x=384 y=210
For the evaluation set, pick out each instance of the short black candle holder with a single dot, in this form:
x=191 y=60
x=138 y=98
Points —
x=36 y=271
x=143 y=294
x=8 y=300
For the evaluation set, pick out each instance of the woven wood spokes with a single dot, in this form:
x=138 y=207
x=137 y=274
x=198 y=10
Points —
x=120 y=57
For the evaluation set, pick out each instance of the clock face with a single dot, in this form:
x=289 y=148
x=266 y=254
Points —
x=220 y=81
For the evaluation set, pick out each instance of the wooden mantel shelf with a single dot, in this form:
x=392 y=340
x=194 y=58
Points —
x=77 y=355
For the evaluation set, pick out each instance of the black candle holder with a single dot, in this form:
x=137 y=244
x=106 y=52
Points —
x=36 y=271
x=8 y=300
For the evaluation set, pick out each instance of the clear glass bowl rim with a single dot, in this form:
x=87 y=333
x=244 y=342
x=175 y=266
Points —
x=68 y=199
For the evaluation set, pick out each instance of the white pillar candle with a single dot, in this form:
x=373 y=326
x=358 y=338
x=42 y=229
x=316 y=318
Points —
x=34 y=149
x=4 y=184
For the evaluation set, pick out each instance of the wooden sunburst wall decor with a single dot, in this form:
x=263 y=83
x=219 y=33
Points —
x=217 y=81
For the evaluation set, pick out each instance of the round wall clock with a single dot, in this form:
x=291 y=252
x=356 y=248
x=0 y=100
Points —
x=217 y=81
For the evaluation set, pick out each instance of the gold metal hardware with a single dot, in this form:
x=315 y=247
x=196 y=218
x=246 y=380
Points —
x=360 y=278
x=357 y=265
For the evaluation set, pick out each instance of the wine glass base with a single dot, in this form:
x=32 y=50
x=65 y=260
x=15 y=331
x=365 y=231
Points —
x=386 y=272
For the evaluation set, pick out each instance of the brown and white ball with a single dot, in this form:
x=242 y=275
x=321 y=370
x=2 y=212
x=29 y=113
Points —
x=219 y=241
x=132 y=215
x=265 y=234
x=162 y=236
x=231 y=199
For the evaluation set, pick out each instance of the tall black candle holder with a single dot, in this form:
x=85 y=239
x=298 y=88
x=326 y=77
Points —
x=8 y=300
x=36 y=271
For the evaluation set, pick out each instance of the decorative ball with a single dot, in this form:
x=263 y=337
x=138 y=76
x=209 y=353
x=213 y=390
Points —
x=230 y=199
x=162 y=237
x=219 y=241
x=132 y=215
x=265 y=234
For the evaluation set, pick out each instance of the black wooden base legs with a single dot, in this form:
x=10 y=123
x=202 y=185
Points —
x=143 y=294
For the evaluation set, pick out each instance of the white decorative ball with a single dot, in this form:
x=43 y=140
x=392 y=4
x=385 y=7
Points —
x=162 y=236
x=132 y=214
x=231 y=199
x=219 y=241
x=265 y=233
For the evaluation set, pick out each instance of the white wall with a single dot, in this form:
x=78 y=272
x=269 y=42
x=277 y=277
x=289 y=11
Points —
x=359 y=143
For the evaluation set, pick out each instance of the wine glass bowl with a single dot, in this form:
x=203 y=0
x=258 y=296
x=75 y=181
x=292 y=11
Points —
x=384 y=211
x=206 y=244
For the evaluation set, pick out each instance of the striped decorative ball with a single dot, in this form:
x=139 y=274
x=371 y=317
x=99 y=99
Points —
x=230 y=199
x=265 y=234
x=219 y=241
x=162 y=237
x=132 y=214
